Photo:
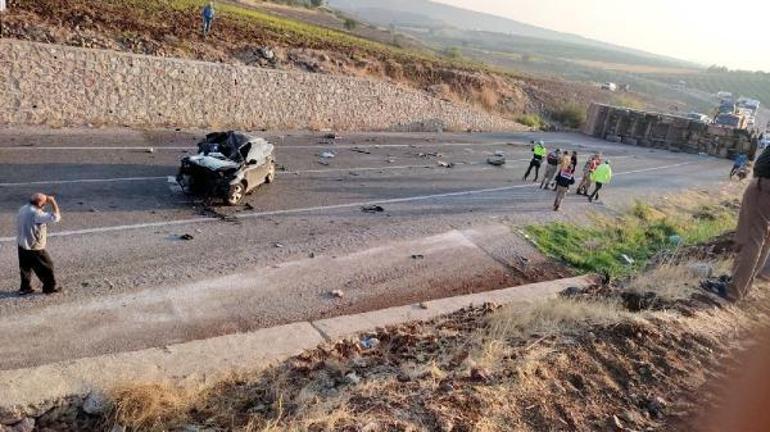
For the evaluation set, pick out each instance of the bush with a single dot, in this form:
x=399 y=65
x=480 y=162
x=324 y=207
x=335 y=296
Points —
x=350 y=24
x=571 y=115
x=453 y=53
x=531 y=120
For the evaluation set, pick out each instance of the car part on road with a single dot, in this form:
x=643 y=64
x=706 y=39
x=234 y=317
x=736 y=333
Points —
x=372 y=209
x=496 y=160
x=228 y=165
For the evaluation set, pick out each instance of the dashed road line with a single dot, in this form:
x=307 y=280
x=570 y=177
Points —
x=252 y=215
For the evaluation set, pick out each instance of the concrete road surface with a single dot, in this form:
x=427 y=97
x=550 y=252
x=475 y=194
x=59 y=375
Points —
x=131 y=283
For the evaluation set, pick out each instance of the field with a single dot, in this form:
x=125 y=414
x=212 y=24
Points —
x=754 y=85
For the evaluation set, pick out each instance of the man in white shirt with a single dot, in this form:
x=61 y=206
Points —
x=31 y=236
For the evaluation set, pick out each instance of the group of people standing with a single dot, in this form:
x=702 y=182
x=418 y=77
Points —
x=560 y=172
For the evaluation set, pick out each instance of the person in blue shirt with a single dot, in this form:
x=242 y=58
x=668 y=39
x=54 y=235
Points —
x=740 y=162
x=208 y=18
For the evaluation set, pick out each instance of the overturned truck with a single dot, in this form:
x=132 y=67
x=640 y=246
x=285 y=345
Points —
x=228 y=165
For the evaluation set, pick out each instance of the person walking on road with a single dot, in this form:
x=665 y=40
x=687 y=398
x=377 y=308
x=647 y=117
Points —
x=208 y=18
x=31 y=235
x=601 y=176
x=588 y=169
x=551 y=168
x=538 y=153
x=564 y=180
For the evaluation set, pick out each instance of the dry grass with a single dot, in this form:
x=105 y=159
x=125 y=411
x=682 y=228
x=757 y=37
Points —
x=676 y=281
x=151 y=407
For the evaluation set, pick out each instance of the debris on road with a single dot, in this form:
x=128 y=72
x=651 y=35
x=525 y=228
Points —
x=369 y=342
x=443 y=164
x=150 y=150
x=372 y=209
x=360 y=150
x=496 y=161
x=337 y=294
x=322 y=162
x=327 y=155
x=331 y=136
x=418 y=257
x=186 y=237
x=277 y=245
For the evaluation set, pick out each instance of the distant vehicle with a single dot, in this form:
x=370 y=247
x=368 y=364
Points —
x=723 y=95
x=610 y=86
x=703 y=118
x=228 y=165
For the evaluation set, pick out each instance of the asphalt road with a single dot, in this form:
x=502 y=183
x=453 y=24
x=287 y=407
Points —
x=131 y=283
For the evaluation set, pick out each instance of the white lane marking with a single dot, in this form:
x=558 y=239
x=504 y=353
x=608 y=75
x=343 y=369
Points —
x=104 y=180
x=317 y=208
x=312 y=171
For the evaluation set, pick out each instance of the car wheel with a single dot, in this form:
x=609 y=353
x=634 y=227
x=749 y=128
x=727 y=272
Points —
x=236 y=194
x=270 y=174
x=185 y=182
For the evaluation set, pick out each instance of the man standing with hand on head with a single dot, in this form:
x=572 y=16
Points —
x=31 y=235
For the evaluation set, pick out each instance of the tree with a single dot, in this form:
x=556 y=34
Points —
x=316 y=3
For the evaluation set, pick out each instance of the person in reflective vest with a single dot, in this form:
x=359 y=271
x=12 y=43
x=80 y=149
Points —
x=538 y=154
x=601 y=176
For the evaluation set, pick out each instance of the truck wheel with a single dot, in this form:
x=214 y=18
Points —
x=235 y=194
x=270 y=174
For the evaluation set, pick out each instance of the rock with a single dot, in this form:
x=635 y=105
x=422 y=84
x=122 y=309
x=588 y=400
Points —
x=617 y=423
x=656 y=407
x=26 y=425
x=338 y=294
x=701 y=269
x=352 y=378
x=423 y=305
x=370 y=427
x=10 y=416
x=266 y=53
x=96 y=403
x=479 y=374
x=331 y=136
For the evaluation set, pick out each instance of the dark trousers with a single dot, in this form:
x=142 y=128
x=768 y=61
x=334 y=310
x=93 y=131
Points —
x=595 y=195
x=37 y=261
x=536 y=165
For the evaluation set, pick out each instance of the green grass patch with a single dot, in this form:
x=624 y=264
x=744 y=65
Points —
x=531 y=120
x=639 y=234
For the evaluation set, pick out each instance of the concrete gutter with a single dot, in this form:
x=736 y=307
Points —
x=206 y=361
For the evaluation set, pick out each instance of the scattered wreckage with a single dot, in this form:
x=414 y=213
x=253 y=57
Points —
x=228 y=165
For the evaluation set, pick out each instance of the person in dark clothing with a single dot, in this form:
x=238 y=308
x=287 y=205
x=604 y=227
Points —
x=551 y=168
x=564 y=180
x=31 y=233
x=574 y=161
x=538 y=154
x=752 y=237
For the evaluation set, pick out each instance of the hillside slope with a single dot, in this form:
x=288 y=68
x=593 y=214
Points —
x=252 y=36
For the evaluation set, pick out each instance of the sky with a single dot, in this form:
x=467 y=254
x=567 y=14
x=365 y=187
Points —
x=735 y=34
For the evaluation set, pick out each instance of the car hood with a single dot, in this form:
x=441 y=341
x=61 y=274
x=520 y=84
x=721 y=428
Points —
x=212 y=162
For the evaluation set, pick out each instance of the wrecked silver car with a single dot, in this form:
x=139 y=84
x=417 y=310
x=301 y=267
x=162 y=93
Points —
x=228 y=165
